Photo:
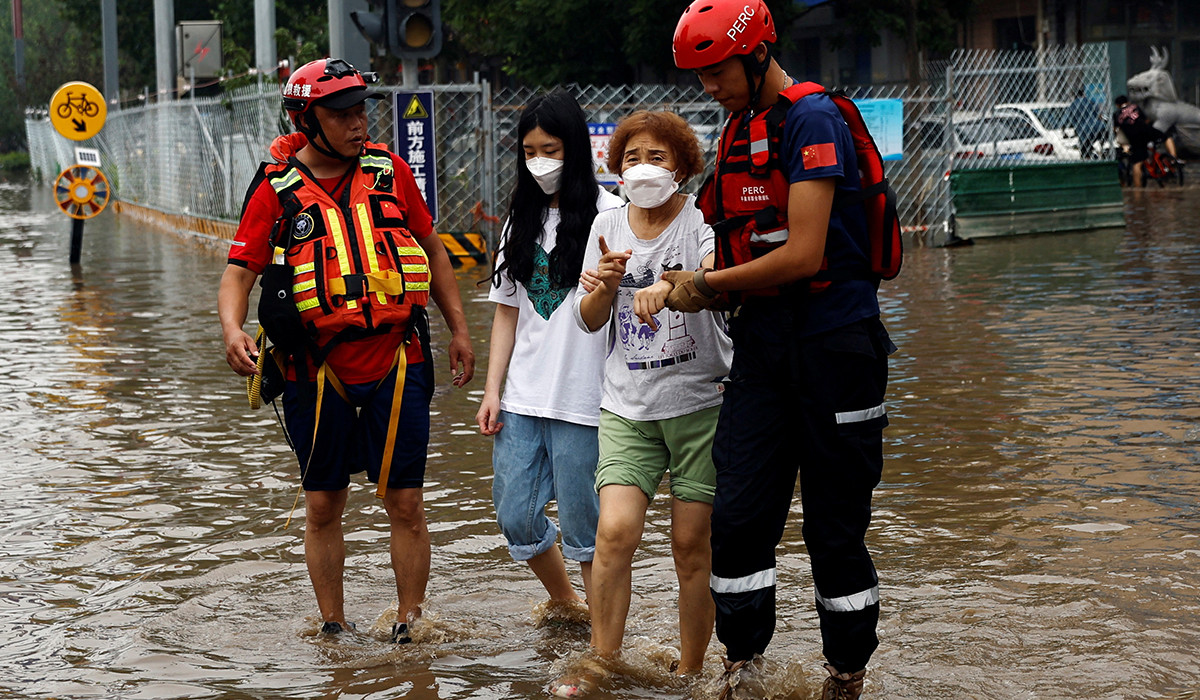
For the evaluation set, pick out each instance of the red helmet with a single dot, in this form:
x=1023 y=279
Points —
x=329 y=82
x=711 y=31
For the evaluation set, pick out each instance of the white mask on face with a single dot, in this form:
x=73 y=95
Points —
x=547 y=172
x=649 y=186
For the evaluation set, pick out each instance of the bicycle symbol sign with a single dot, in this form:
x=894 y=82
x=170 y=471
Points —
x=77 y=110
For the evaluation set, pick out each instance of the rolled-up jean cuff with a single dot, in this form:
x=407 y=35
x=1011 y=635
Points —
x=525 y=552
x=580 y=554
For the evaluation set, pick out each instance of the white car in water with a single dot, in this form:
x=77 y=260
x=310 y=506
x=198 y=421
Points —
x=978 y=139
x=1051 y=122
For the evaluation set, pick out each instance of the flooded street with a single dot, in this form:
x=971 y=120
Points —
x=1037 y=531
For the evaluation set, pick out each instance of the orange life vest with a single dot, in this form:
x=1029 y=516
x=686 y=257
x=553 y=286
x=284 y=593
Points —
x=356 y=269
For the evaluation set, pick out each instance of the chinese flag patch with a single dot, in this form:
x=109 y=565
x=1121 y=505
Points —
x=819 y=155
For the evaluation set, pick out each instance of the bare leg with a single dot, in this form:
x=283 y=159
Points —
x=1170 y=143
x=409 y=549
x=690 y=545
x=1137 y=174
x=622 y=517
x=325 y=550
x=585 y=570
x=551 y=570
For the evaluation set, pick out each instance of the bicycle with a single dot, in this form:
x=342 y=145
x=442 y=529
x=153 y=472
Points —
x=1162 y=167
x=80 y=104
x=1159 y=166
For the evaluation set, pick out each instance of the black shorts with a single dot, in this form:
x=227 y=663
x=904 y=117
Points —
x=352 y=435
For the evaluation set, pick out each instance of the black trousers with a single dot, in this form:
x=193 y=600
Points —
x=810 y=408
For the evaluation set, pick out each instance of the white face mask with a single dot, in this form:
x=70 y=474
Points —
x=547 y=172
x=649 y=186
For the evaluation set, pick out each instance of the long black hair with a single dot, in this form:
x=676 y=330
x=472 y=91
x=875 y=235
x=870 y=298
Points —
x=559 y=115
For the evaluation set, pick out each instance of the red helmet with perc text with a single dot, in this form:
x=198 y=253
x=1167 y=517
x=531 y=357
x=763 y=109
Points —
x=711 y=31
x=329 y=82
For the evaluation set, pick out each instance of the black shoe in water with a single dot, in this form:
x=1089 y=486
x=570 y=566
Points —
x=400 y=633
x=334 y=627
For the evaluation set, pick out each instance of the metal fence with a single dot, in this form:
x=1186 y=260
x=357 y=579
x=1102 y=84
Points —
x=196 y=157
x=1019 y=107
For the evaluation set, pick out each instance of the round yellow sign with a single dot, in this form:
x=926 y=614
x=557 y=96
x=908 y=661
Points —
x=77 y=110
x=81 y=191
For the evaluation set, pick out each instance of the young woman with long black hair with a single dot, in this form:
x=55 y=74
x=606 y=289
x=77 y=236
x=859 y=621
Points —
x=545 y=419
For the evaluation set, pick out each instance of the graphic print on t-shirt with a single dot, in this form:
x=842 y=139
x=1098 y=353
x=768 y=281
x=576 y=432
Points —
x=643 y=347
x=544 y=298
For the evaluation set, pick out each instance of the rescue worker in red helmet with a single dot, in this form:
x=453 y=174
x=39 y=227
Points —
x=338 y=228
x=805 y=392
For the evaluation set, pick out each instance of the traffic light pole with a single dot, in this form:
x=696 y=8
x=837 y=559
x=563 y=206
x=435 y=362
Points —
x=410 y=72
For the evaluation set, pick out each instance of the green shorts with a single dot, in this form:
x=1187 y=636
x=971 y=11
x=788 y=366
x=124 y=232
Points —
x=638 y=453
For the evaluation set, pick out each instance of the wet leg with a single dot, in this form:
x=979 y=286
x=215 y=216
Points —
x=409 y=549
x=551 y=570
x=325 y=550
x=622 y=517
x=585 y=570
x=690 y=529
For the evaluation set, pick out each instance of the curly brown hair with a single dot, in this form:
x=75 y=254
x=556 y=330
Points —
x=672 y=129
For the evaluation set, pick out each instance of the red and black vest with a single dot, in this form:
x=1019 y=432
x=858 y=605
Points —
x=356 y=270
x=746 y=199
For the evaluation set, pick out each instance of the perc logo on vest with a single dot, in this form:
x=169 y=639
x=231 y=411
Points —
x=739 y=24
x=754 y=193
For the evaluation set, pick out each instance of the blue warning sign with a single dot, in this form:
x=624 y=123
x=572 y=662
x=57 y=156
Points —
x=413 y=134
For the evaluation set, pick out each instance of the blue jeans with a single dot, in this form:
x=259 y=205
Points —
x=535 y=460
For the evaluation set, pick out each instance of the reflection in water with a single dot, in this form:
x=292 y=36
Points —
x=1035 y=533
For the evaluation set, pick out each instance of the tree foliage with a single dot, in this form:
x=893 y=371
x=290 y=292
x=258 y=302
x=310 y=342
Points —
x=63 y=42
x=545 y=42
x=929 y=27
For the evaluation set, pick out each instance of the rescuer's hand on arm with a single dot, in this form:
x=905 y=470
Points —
x=690 y=292
x=809 y=205
x=596 y=307
x=650 y=300
x=443 y=287
x=233 y=303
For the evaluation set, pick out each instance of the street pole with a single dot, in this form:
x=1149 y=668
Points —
x=108 y=23
x=76 y=240
x=164 y=47
x=264 y=36
x=409 y=68
x=19 y=46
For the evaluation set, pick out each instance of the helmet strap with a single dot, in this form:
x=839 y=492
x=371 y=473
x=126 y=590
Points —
x=310 y=126
x=756 y=69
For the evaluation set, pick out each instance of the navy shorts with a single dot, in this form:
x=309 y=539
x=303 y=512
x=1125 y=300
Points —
x=352 y=435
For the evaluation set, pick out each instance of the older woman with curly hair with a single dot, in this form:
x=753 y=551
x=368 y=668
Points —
x=662 y=390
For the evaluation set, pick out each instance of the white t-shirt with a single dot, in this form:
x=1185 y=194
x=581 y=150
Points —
x=674 y=371
x=556 y=369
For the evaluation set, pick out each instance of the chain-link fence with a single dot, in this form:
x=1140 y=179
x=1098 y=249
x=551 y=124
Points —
x=1026 y=107
x=981 y=109
x=197 y=157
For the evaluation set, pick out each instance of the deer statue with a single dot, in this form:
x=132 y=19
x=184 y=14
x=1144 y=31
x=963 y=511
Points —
x=1155 y=92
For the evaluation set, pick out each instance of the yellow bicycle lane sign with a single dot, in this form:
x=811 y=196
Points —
x=77 y=110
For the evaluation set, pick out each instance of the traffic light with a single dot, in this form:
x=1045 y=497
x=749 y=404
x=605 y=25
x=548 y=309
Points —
x=403 y=28
x=376 y=27
x=418 y=26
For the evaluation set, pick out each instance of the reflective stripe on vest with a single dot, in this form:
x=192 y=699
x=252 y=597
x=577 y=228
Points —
x=776 y=236
x=341 y=245
x=368 y=239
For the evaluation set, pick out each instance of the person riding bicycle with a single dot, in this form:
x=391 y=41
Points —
x=1131 y=121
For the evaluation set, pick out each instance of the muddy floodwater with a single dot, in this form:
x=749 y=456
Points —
x=1037 y=531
